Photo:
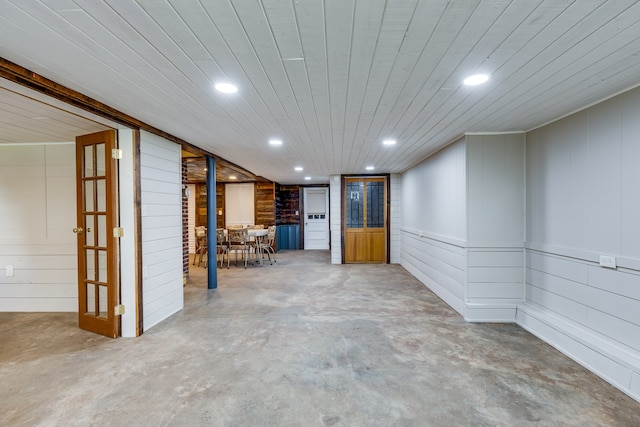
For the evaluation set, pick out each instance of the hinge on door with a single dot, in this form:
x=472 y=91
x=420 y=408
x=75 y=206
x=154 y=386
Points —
x=118 y=232
x=116 y=153
x=118 y=310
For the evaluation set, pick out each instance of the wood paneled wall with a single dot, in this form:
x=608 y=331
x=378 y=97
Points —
x=201 y=205
x=220 y=201
x=265 y=206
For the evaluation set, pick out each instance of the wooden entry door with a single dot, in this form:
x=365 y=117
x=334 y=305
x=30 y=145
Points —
x=98 y=290
x=365 y=220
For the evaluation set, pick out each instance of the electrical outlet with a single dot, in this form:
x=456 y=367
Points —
x=9 y=270
x=607 y=261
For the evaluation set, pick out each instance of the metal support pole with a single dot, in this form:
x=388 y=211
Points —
x=212 y=220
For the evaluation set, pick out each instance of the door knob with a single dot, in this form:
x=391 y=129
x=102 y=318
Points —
x=78 y=230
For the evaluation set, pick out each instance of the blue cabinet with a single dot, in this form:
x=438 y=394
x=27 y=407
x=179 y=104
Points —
x=287 y=237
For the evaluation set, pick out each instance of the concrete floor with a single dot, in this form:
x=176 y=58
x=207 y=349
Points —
x=299 y=343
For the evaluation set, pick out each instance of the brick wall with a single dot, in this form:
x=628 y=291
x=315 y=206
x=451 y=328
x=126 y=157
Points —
x=185 y=222
x=287 y=204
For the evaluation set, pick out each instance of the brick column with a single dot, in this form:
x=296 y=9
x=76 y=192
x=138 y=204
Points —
x=185 y=223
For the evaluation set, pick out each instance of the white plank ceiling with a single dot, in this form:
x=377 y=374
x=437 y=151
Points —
x=331 y=78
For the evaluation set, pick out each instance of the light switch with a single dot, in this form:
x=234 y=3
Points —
x=9 y=270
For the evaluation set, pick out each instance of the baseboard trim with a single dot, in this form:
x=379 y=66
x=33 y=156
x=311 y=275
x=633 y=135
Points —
x=443 y=293
x=605 y=358
x=490 y=313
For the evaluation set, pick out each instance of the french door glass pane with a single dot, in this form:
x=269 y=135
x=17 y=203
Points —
x=100 y=160
x=88 y=161
x=101 y=194
x=102 y=266
x=375 y=204
x=89 y=232
x=91 y=264
x=355 y=205
x=102 y=302
x=101 y=231
x=88 y=196
x=91 y=298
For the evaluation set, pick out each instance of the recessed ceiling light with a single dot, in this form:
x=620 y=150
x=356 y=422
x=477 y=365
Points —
x=298 y=168
x=307 y=178
x=369 y=168
x=389 y=142
x=233 y=177
x=476 y=79
x=226 y=88
x=275 y=141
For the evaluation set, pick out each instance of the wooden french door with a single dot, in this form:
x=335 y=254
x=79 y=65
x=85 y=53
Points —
x=365 y=220
x=98 y=290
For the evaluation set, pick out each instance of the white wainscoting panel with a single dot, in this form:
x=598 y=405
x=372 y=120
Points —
x=437 y=263
x=494 y=284
x=161 y=228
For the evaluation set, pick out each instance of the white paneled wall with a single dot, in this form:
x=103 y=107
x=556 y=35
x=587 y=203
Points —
x=335 y=204
x=37 y=214
x=583 y=201
x=433 y=223
x=433 y=194
x=161 y=228
x=129 y=241
x=495 y=190
x=495 y=226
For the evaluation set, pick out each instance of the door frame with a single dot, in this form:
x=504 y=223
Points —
x=387 y=225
